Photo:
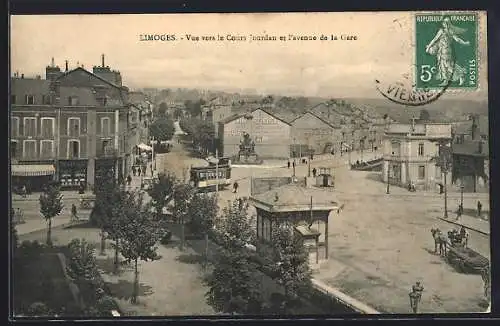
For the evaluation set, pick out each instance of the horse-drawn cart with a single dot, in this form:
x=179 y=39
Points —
x=466 y=259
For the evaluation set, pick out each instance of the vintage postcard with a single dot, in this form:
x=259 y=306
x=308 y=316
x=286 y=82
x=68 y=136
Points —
x=275 y=164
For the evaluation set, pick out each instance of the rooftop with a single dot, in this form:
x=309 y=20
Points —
x=430 y=130
x=293 y=197
x=471 y=148
x=31 y=86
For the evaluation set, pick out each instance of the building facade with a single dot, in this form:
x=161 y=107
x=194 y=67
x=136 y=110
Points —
x=315 y=134
x=70 y=127
x=470 y=153
x=410 y=152
x=270 y=134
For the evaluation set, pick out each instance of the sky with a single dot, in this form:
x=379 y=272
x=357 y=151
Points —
x=343 y=68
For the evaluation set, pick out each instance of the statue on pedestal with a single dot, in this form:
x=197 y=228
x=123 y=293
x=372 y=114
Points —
x=247 y=153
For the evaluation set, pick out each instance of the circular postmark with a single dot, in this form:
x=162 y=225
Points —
x=405 y=93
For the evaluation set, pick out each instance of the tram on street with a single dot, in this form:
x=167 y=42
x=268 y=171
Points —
x=205 y=177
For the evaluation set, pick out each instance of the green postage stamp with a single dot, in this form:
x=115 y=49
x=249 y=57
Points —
x=446 y=51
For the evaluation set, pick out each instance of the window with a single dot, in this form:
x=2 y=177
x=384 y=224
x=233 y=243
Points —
x=105 y=127
x=74 y=149
x=438 y=172
x=29 y=99
x=13 y=149
x=421 y=172
x=46 y=99
x=48 y=127
x=14 y=126
x=46 y=149
x=104 y=145
x=30 y=127
x=74 y=127
x=421 y=149
x=12 y=99
x=29 y=149
x=73 y=100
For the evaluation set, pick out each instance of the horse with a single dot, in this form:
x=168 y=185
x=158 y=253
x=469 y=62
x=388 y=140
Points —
x=440 y=241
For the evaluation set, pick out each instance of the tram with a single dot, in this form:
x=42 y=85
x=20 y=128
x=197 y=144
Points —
x=205 y=177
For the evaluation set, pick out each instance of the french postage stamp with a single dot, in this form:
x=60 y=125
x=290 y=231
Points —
x=446 y=51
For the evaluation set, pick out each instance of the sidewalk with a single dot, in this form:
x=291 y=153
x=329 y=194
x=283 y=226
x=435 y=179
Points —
x=36 y=196
x=31 y=226
x=469 y=222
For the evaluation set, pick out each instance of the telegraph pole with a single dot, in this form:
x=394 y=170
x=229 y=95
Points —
x=445 y=166
x=388 y=170
x=216 y=171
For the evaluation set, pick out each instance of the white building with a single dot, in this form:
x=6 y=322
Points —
x=410 y=151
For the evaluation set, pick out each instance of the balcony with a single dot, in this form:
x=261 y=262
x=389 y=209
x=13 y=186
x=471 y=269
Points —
x=107 y=152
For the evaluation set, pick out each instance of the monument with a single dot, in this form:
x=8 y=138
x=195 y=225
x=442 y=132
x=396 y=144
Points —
x=246 y=154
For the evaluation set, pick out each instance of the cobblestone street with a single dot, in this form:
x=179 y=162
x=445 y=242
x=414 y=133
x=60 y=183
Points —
x=380 y=242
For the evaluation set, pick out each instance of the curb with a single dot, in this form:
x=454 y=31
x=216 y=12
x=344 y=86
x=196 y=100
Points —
x=464 y=225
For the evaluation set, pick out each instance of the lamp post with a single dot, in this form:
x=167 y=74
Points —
x=153 y=143
x=309 y=159
x=388 y=172
x=462 y=195
x=445 y=166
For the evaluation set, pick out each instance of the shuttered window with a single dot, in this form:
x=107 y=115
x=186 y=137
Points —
x=46 y=149
x=29 y=149
x=14 y=126
x=105 y=127
x=30 y=127
x=47 y=127
x=74 y=127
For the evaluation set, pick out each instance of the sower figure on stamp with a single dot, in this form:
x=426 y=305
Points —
x=441 y=47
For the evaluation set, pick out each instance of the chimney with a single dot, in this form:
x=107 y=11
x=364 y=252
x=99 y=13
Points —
x=102 y=58
x=52 y=62
x=66 y=65
x=474 y=132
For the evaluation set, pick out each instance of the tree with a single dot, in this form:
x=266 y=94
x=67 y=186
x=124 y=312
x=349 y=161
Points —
x=140 y=235
x=162 y=129
x=202 y=211
x=183 y=193
x=292 y=264
x=424 y=115
x=161 y=192
x=194 y=107
x=50 y=206
x=82 y=267
x=107 y=214
x=201 y=132
x=162 y=108
x=233 y=283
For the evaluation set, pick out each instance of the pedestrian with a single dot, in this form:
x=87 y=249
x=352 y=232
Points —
x=314 y=172
x=460 y=211
x=293 y=163
x=19 y=216
x=74 y=216
x=134 y=172
x=144 y=170
x=288 y=163
x=479 y=208
x=151 y=168
x=235 y=187
x=24 y=191
x=138 y=171
x=129 y=180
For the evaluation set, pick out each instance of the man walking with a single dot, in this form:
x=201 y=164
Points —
x=288 y=163
x=129 y=180
x=314 y=172
x=479 y=208
x=235 y=187
x=460 y=211
x=74 y=216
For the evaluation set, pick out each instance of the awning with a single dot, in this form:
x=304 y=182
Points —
x=32 y=170
x=144 y=147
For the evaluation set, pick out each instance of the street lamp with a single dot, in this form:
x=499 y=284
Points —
x=462 y=195
x=388 y=168
x=416 y=296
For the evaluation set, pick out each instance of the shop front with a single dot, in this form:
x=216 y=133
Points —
x=72 y=173
x=33 y=176
x=105 y=171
